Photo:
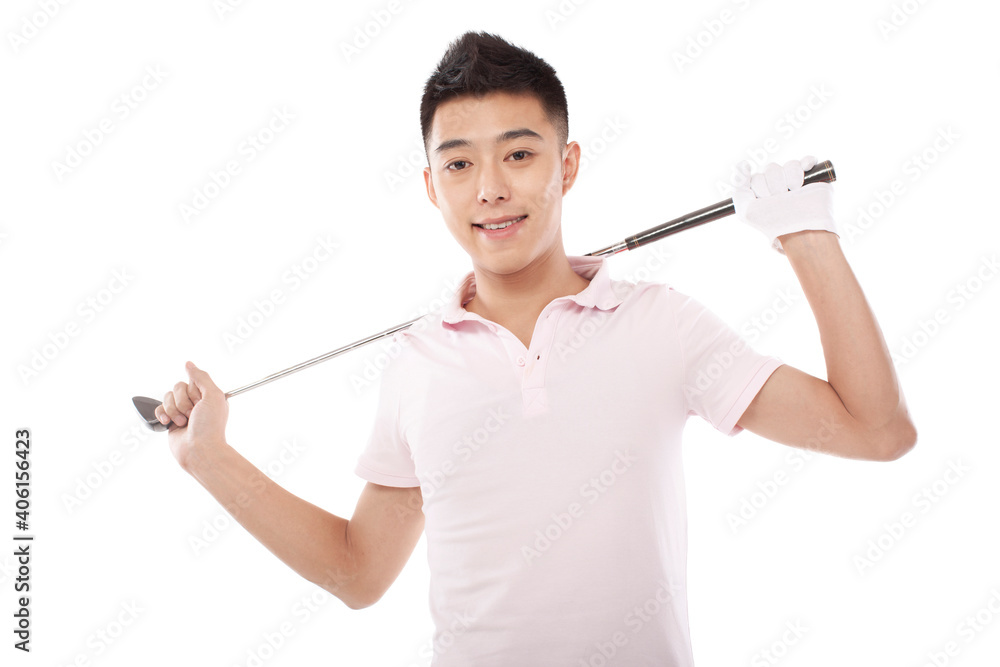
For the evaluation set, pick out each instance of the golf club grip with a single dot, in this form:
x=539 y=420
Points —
x=822 y=172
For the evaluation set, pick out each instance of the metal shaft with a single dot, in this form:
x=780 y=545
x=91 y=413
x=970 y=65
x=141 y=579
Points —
x=322 y=357
x=822 y=172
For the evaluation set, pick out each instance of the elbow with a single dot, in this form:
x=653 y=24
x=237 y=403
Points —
x=354 y=592
x=352 y=599
x=345 y=579
x=893 y=444
x=357 y=604
x=361 y=599
x=346 y=583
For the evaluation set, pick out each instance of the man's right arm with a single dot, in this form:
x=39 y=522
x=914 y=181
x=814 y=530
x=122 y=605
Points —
x=356 y=560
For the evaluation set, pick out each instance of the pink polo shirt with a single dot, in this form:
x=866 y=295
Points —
x=552 y=480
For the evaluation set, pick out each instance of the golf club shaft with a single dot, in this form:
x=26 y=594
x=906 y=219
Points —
x=323 y=357
x=822 y=172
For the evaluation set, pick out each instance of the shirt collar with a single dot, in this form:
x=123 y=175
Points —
x=600 y=293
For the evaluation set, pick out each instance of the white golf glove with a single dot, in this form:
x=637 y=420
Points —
x=775 y=202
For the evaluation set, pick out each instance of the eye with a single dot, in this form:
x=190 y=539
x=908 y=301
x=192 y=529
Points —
x=449 y=166
x=524 y=153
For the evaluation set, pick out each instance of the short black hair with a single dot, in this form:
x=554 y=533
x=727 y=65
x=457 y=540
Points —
x=478 y=63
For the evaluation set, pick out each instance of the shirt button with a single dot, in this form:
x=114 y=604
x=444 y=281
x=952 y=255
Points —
x=520 y=361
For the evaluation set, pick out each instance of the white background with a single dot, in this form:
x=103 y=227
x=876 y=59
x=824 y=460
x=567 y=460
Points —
x=114 y=516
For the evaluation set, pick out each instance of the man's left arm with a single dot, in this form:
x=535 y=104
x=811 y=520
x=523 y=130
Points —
x=859 y=412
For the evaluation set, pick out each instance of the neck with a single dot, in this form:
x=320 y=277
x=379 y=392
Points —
x=521 y=295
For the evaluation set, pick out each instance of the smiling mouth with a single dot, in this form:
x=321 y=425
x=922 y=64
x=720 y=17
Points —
x=501 y=225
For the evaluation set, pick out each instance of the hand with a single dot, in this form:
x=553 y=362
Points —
x=776 y=203
x=198 y=410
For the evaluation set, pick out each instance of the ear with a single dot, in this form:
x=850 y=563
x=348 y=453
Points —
x=570 y=165
x=429 y=183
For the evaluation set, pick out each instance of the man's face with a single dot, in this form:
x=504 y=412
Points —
x=500 y=159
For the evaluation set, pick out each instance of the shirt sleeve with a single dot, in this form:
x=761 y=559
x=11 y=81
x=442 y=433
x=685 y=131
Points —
x=386 y=459
x=722 y=372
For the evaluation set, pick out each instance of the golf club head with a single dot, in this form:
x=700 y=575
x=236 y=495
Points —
x=146 y=408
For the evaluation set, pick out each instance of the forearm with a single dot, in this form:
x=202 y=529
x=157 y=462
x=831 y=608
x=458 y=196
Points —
x=307 y=538
x=858 y=364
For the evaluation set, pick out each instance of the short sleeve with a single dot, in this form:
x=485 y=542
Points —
x=722 y=372
x=386 y=458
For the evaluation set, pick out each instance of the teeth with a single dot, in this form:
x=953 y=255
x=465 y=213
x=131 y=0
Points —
x=503 y=225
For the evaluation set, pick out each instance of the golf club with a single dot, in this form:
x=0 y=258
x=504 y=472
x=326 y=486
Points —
x=822 y=172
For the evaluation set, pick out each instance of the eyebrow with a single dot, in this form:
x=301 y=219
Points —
x=501 y=138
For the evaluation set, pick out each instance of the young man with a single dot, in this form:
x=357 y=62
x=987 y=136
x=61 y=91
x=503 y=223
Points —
x=533 y=428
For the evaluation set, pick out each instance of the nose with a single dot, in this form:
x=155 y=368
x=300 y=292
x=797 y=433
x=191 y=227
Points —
x=493 y=185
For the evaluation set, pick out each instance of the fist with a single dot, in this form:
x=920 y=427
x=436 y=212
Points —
x=198 y=410
x=775 y=201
